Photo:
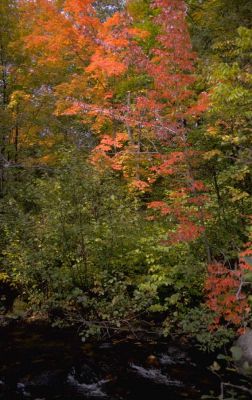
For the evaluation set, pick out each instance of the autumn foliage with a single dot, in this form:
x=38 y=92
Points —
x=147 y=129
x=130 y=94
x=226 y=291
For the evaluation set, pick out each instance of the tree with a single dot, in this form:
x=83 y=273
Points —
x=225 y=130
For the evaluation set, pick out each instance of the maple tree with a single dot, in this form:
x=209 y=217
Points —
x=152 y=117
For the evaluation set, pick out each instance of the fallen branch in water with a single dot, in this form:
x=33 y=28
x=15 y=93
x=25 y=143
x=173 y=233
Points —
x=109 y=328
x=243 y=388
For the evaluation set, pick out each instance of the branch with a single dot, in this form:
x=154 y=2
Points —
x=243 y=388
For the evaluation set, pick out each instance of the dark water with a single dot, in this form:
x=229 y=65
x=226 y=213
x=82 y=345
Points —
x=37 y=363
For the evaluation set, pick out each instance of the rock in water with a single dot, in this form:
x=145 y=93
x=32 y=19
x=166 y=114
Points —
x=242 y=353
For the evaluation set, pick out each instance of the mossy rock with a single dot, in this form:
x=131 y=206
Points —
x=242 y=353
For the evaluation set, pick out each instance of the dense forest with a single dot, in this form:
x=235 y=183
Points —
x=125 y=165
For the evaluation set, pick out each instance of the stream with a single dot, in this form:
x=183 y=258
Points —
x=47 y=364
